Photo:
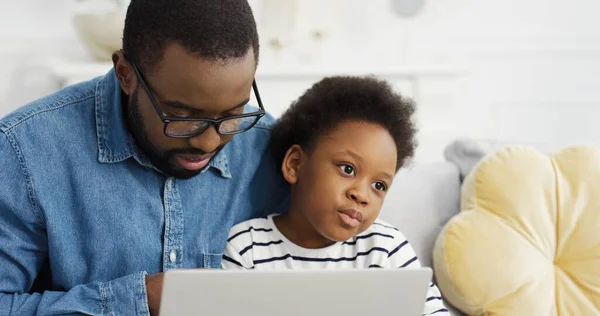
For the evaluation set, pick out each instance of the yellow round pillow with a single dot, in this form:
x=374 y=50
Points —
x=527 y=239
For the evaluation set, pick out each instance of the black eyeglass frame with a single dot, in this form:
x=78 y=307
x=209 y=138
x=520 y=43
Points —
x=166 y=119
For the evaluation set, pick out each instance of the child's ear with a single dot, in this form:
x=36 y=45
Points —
x=291 y=164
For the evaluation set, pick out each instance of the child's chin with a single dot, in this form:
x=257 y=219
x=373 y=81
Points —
x=339 y=234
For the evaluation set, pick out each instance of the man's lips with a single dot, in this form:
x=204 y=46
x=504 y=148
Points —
x=351 y=217
x=192 y=157
x=193 y=162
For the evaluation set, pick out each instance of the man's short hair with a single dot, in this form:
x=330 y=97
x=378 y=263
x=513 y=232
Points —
x=210 y=29
x=334 y=100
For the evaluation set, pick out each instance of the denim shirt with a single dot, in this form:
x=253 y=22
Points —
x=84 y=216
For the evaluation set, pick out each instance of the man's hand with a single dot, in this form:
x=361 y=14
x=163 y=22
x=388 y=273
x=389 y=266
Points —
x=154 y=285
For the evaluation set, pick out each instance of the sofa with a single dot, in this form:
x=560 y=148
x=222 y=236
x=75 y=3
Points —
x=421 y=200
x=425 y=197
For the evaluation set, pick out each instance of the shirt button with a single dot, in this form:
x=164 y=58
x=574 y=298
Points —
x=172 y=256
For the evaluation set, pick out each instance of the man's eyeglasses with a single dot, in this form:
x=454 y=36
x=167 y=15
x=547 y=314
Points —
x=183 y=127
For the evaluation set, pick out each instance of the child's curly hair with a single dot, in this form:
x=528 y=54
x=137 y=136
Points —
x=341 y=98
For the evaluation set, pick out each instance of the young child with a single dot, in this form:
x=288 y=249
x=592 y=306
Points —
x=339 y=146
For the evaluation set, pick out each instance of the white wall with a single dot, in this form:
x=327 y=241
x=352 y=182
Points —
x=531 y=66
x=534 y=64
x=30 y=31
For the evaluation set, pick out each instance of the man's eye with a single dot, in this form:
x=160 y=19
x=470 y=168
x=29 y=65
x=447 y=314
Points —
x=237 y=111
x=179 y=113
x=380 y=186
x=347 y=169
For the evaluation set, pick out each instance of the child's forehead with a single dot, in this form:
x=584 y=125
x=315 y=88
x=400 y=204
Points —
x=368 y=141
x=354 y=131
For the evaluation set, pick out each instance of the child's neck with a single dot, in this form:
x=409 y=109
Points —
x=294 y=226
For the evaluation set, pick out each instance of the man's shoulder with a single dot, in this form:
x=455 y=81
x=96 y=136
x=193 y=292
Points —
x=261 y=130
x=251 y=145
x=55 y=109
x=265 y=123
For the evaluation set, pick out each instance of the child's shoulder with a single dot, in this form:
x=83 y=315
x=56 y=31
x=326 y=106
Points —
x=249 y=227
x=382 y=230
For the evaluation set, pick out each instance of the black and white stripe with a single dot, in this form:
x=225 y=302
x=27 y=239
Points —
x=258 y=244
x=248 y=230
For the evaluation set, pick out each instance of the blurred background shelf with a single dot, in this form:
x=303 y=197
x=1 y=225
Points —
x=508 y=70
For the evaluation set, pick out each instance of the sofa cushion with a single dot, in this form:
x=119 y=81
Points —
x=420 y=201
x=527 y=240
x=465 y=153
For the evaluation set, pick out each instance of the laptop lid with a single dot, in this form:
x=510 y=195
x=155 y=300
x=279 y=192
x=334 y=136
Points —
x=354 y=292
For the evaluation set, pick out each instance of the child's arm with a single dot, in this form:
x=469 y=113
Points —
x=404 y=256
x=233 y=260
x=434 y=305
x=237 y=254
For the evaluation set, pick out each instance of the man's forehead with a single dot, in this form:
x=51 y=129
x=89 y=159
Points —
x=179 y=70
x=177 y=59
x=201 y=84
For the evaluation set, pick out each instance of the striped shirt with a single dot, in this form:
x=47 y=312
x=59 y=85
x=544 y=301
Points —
x=258 y=244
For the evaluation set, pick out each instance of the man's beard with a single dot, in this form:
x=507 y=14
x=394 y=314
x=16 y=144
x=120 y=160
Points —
x=160 y=159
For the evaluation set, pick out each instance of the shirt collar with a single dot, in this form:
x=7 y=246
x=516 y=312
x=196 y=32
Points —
x=115 y=143
x=220 y=163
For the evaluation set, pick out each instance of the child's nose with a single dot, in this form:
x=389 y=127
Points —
x=358 y=196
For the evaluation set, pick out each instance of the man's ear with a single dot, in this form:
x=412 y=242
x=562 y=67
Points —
x=125 y=73
x=291 y=163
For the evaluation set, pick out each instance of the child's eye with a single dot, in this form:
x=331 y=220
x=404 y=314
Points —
x=380 y=186
x=347 y=169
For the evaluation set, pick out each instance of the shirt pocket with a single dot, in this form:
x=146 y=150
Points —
x=210 y=260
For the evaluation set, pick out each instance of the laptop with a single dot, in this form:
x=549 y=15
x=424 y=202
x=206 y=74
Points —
x=382 y=292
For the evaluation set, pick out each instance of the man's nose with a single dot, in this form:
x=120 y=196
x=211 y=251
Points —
x=208 y=141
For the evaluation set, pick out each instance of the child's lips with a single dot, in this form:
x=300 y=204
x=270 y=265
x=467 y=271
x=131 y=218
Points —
x=350 y=217
x=352 y=213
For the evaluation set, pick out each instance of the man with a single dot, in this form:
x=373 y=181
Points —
x=106 y=184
